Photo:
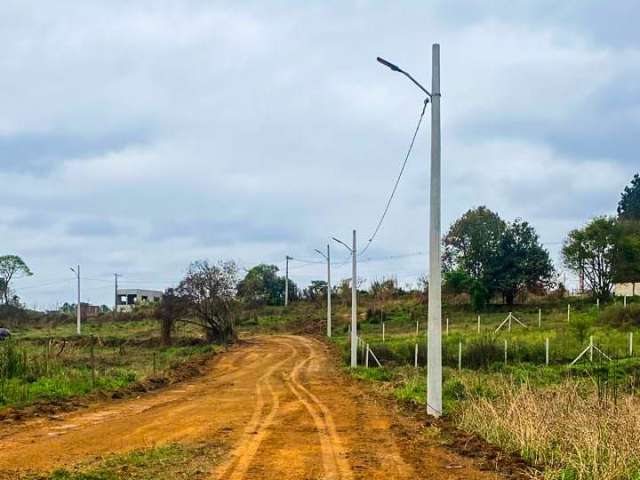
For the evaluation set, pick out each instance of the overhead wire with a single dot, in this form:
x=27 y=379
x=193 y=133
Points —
x=397 y=182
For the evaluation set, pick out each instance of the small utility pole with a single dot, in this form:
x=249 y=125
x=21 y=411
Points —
x=115 y=299
x=354 y=299
x=328 y=257
x=286 y=281
x=78 y=310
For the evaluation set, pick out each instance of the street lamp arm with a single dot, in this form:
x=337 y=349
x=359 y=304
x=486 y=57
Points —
x=395 y=68
x=343 y=244
x=316 y=250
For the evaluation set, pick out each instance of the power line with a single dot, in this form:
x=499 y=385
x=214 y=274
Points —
x=397 y=182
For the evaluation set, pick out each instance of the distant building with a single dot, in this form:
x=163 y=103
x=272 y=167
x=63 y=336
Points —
x=129 y=297
x=626 y=289
x=87 y=310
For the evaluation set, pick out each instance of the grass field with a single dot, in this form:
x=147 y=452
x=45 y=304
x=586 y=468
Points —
x=575 y=422
x=51 y=363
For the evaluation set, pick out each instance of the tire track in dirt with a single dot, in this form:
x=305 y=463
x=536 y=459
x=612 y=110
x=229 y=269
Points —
x=333 y=457
x=241 y=457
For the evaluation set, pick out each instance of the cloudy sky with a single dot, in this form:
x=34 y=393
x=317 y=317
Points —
x=137 y=138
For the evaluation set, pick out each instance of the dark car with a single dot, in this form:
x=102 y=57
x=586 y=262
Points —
x=4 y=333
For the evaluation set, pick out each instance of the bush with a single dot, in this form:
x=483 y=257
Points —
x=620 y=316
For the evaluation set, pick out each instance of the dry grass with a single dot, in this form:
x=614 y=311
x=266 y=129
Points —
x=566 y=428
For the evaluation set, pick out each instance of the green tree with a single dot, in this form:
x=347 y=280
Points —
x=262 y=286
x=472 y=242
x=11 y=267
x=629 y=205
x=626 y=266
x=591 y=250
x=522 y=262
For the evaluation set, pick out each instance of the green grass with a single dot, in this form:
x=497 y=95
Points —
x=173 y=461
x=38 y=364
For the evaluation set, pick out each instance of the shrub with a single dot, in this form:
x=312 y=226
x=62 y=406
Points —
x=621 y=316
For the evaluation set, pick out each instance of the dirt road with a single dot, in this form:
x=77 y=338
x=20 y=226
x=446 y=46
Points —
x=277 y=402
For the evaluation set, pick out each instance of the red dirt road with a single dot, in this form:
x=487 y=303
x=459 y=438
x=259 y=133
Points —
x=277 y=402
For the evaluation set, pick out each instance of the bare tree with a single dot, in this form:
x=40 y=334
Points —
x=171 y=308
x=210 y=291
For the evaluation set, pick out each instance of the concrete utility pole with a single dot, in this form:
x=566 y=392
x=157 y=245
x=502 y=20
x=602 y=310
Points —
x=78 y=310
x=115 y=293
x=354 y=299
x=286 y=281
x=328 y=257
x=434 y=360
x=434 y=330
x=354 y=305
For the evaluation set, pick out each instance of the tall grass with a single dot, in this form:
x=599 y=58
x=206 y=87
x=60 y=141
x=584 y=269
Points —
x=567 y=428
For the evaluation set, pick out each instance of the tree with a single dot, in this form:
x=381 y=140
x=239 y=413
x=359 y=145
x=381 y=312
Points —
x=262 y=286
x=210 y=293
x=629 y=205
x=316 y=290
x=11 y=266
x=522 y=262
x=591 y=250
x=171 y=308
x=472 y=242
x=484 y=255
x=470 y=248
x=626 y=267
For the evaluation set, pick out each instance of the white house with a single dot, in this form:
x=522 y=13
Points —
x=626 y=289
x=127 y=298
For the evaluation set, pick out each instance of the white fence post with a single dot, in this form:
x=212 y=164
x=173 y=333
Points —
x=366 y=360
x=505 y=351
x=447 y=326
x=568 y=312
x=478 y=323
x=591 y=348
x=539 y=318
x=625 y=301
x=415 y=357
x=546 y=351
x=460 y=355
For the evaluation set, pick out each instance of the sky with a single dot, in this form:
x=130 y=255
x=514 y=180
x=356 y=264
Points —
x=136 y=137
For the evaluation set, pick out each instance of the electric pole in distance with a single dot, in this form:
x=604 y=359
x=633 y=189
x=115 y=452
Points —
x=354 y=300
x=115 y=292
x=78 y=310
x=286 y=280
x=328 y=257
x=434 y=338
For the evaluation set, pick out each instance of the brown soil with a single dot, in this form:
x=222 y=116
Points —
x=281 y=406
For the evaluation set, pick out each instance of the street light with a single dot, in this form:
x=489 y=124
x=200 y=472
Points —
x=434 y=339
x=354 y=300
x=78 y=315
x=328 y=257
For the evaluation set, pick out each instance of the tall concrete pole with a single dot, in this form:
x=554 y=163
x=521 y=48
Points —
x=354 y=305
x=434 y=359
x=286 y=281
x=115 y=296
x=328 y=292
x=78 y=310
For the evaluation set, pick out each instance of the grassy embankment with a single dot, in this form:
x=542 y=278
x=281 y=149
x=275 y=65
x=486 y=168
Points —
x=44 y=362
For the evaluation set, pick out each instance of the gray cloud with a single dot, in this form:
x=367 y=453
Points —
x=139 y=137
